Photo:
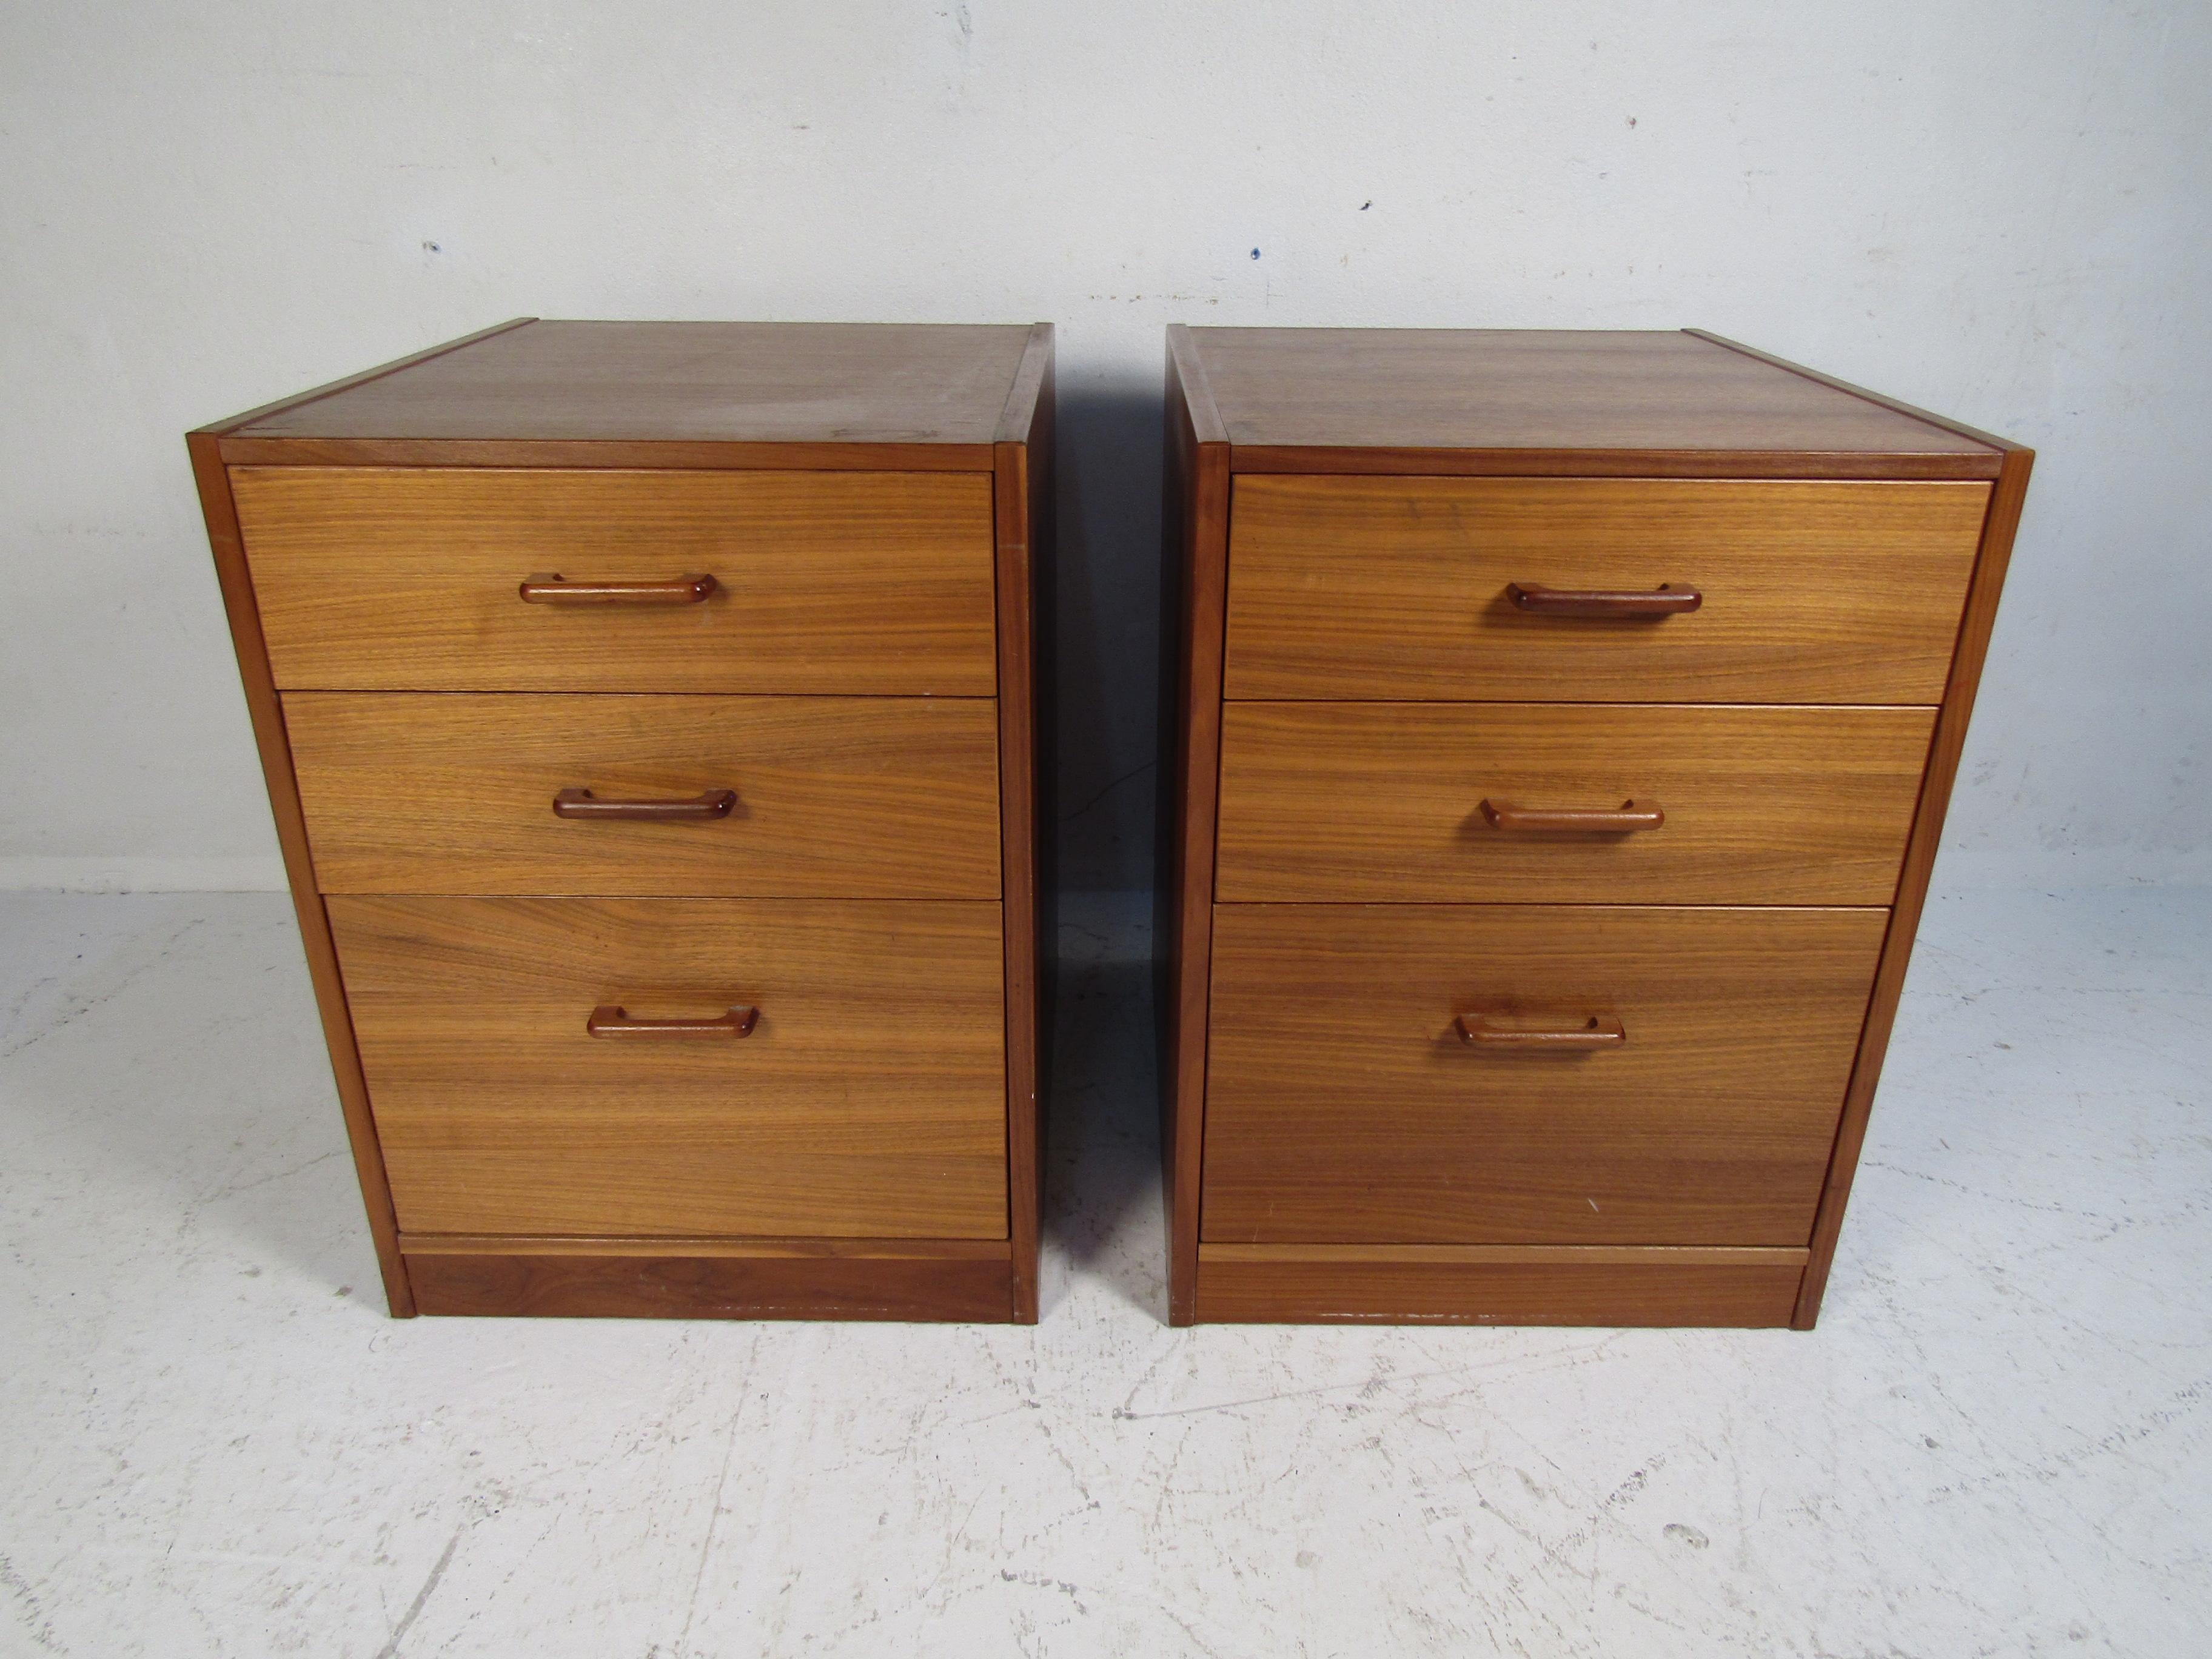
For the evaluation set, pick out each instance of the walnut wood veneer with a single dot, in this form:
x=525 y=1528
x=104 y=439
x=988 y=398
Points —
x=650 y=713
x=1559 y=727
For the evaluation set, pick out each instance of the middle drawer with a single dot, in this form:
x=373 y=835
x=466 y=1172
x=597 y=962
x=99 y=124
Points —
x=745 y=797
x=1508 y=802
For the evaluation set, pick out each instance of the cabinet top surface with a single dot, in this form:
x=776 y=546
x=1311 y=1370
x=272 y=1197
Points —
x=815 y=383
x=1524 y=390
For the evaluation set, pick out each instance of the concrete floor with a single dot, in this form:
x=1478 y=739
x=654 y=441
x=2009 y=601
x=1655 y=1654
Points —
x=215 y=1442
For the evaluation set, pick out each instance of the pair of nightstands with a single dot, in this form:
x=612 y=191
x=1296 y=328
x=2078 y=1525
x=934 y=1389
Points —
x=1558 y=732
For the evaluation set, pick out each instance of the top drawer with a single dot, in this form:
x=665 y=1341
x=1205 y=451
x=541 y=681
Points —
x=1382 y=588
x=403 y=579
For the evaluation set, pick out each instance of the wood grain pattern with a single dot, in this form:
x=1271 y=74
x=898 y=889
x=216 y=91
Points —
x=841 y=385
x=1392 y=588
x=1716 y=463
x=585 y=454
x=672 y=1279
x=268 y=736
x=290 y=406
x=766 y=1249
x=1022 y=482
x=1380 y=802
x=1342 y=1108
x=819 y=468
x=869 y=1099
x=2000 y=447
x=837 y=797
x=1848 y=601
x=1431 y=398
x=1949 y=742
x=1192 y=578
x=382 y=579
x=1680 y=1255
x=1524 y=1285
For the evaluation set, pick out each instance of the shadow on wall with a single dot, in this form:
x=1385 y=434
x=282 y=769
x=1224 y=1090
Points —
x=1102 y=1204
x=1105 y=630
x=1102 y=1187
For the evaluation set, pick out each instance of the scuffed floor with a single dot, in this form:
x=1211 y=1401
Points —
x=213 y=1442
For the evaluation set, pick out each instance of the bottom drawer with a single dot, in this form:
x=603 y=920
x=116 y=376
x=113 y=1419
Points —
x=1345 y=1106
x=866 y=1100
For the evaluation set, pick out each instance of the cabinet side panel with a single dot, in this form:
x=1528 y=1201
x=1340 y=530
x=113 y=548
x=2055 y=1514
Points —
x=216 y=502
x=1194 y=583
x=1944 y=748
x=1022 y=513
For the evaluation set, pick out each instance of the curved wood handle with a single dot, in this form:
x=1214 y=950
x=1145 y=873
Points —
x=583 y=803
x=1665 y=600
x=1564 y=1036
x=608 y=1020
x=559 y=589
x=1622 y=820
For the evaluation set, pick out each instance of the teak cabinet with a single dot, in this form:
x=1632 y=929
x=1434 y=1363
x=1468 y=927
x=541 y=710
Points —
x=650 y=712
x=1558 y=729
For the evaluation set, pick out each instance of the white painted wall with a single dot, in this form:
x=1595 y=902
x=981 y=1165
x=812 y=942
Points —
x=2001 y=210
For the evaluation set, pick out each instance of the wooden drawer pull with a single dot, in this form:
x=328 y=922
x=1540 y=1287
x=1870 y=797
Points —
x=583 y=803
x=1666 y=600
x=559 y=589
x=608 y=1020
x=1499 y=1031
x=1625 y=819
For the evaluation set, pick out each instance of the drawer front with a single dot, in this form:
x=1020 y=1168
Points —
x=397 y=578
x=1491 y=802
x=868 y=1100
x=822 y=796
x=1343 y=1106
x=1398 y=588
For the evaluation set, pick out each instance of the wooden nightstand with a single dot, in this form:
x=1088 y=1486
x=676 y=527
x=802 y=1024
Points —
x=1560 y=727
x=650 y=715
